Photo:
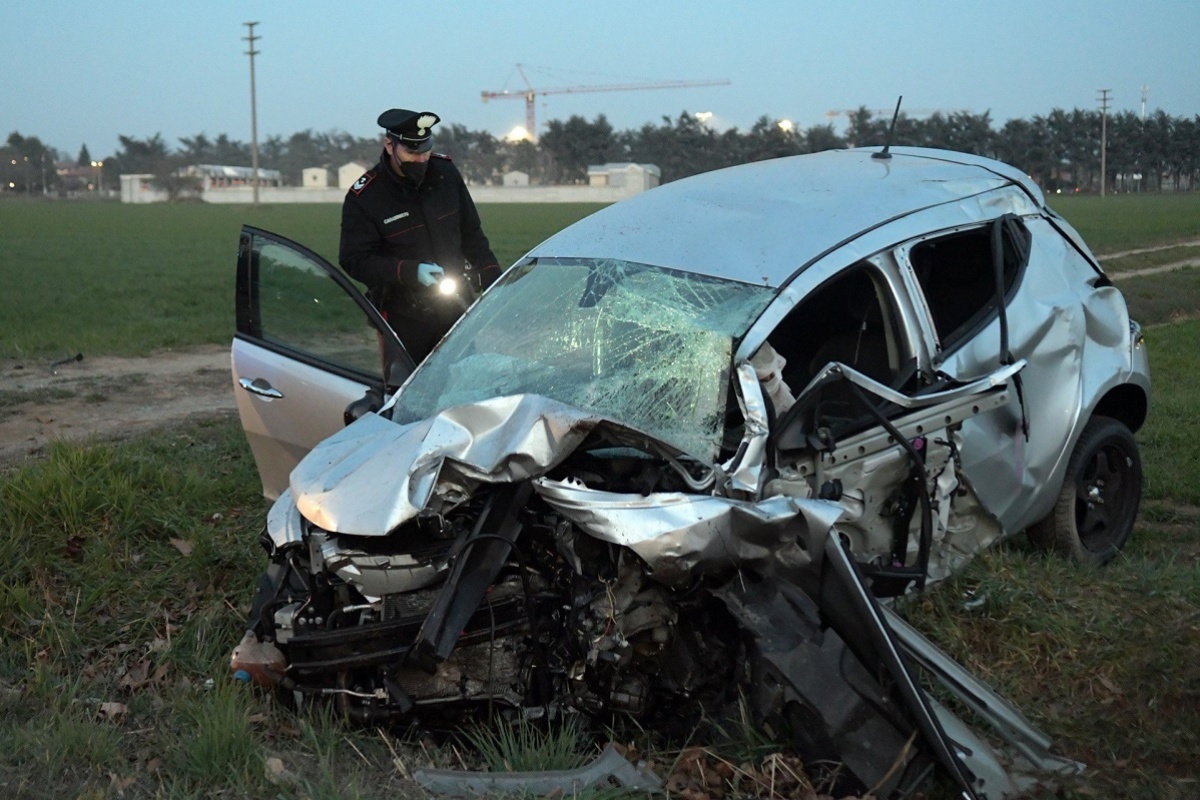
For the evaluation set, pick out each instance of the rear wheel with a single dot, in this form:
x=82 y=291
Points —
x=1098 y=502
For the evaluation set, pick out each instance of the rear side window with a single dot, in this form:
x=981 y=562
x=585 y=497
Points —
x=956 y=274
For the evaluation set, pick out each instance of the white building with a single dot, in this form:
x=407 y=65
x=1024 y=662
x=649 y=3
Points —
x=314 y=178
x=607 y=183
x=218 y=176
x=350 y=172
x=632 y=177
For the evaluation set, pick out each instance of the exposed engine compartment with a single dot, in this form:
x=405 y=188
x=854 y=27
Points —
x=605 y=575
x=563 y=620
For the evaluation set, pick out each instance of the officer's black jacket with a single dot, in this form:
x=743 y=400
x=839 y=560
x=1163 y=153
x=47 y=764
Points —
x=390 y=225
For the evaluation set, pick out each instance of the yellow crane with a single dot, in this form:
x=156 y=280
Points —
x=529 y=94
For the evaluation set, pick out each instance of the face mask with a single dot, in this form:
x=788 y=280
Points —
x=414 y=170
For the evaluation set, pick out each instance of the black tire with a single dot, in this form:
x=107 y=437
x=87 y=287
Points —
x=1098 y=502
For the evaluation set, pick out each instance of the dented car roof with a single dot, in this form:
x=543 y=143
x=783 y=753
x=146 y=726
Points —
x=762 y=222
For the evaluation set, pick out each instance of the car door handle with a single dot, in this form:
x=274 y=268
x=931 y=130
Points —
x=260 y=387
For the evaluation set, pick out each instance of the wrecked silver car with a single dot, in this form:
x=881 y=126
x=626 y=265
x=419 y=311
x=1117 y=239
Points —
x=686 y=450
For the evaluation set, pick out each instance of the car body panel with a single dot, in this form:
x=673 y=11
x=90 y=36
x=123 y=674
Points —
x=308 y=344
x=282 y=430
x=760 y=222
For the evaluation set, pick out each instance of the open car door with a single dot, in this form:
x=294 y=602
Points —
x=308 y=345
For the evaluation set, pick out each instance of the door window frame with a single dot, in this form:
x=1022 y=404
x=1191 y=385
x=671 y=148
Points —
x=249 y=318
x=981 y=318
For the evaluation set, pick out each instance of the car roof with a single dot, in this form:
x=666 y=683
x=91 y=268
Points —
x=759 y=223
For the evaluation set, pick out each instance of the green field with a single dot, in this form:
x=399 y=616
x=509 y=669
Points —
x=106 y=278
x=1129 y=221
x=118 y=279
x=125 y=570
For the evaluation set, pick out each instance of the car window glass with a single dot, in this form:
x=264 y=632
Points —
x=302 y=307
x=646 y=346
x=955 y=273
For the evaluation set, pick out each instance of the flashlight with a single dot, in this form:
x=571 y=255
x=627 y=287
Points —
x=447 y=286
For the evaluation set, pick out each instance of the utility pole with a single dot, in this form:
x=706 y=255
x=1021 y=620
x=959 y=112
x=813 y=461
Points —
x=1103 y=137
x=251 y=38
x=1138 y=176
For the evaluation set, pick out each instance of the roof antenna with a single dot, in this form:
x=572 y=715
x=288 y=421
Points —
x=891 y=130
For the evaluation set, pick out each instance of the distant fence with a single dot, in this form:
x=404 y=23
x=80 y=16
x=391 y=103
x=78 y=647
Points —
x=140 y=189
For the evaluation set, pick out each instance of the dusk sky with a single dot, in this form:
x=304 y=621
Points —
x=73 y=72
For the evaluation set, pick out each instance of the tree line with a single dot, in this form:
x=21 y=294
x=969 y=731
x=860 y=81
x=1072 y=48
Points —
x=1060 y=150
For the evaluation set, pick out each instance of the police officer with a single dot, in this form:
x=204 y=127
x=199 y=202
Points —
x=407 y=224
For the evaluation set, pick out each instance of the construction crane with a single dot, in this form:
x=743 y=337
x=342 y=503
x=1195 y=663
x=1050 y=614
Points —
x=529 y=93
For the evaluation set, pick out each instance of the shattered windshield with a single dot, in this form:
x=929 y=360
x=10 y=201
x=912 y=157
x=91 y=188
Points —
x=645 y=346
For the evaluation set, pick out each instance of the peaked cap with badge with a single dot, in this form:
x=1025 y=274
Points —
x=413 y=129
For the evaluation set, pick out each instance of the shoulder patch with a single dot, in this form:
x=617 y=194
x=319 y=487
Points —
x=362 y=182
x=441 y=156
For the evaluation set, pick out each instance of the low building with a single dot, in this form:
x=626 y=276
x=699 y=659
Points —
x=139 y=188
x=607 y=183
x=350 y=172
x=632 y=177
x=314 y=178
x=218 y=176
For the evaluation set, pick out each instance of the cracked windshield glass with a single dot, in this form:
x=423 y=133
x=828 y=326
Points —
x=646 y=346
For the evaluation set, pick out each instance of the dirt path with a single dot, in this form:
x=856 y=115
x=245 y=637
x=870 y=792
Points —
x=1133 y=273
x=1154 y=249
x=106 y=397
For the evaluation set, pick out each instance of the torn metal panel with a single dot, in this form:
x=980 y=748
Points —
x=831 y=675
x=681 y=536
x=855 y=614
x=999 y=713
x=744 y=470
x=867 y=469
x=809 y=689
x=836 y=372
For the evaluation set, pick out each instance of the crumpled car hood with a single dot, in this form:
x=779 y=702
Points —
x=376 y=474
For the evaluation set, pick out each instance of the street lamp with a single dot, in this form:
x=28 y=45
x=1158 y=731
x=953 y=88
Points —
x=97 y=165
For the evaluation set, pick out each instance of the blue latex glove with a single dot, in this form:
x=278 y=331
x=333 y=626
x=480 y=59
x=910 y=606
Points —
x=429 y=274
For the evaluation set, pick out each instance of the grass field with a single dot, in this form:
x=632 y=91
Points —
x=106 y=278
x=125 y=570
x=127 y=279
x=1128 y=221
